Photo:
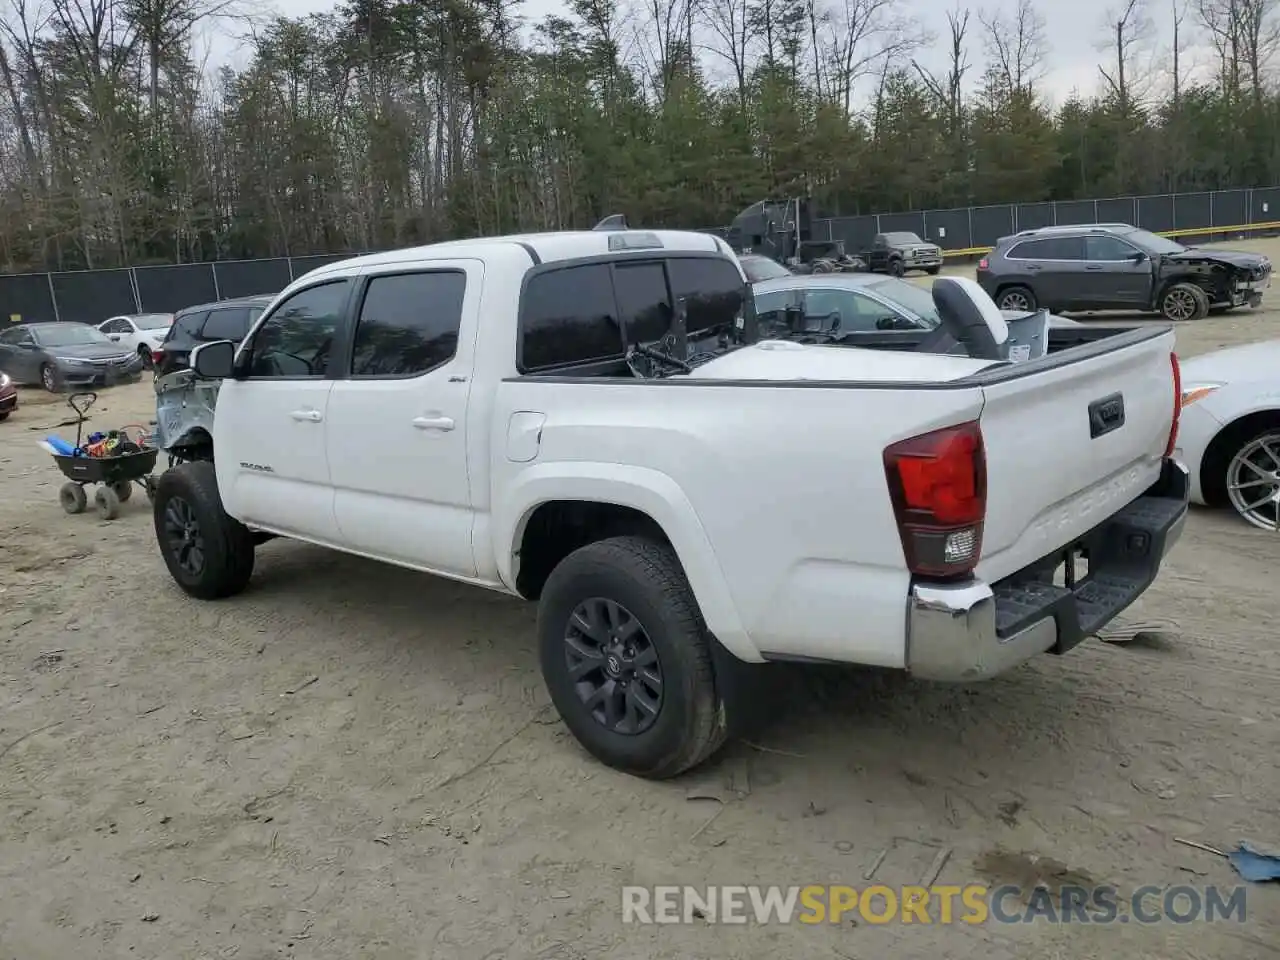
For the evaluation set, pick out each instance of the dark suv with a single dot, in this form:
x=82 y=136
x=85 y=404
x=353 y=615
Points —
x=224 y=320
x=1115 y=266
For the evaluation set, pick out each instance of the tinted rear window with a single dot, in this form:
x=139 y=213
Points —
x=409 y=323
x=1050 y=248
x=231 y=323
x=712 y=288
x=569 y=316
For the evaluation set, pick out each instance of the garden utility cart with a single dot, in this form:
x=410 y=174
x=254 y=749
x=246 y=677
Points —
x=113 y=462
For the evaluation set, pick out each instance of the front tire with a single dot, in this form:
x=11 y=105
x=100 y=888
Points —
x=73 y=498
x=209 y=553
x=1183 y=303
x=897 y=268
x=627 y=659
x=108 y=504
x=932 y=271
x=49 y=377
x=145 y=355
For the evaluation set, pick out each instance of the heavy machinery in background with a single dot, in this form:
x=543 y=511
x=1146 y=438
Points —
x=783 y=231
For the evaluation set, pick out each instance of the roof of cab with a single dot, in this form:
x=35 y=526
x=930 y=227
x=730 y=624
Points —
x=549 y=247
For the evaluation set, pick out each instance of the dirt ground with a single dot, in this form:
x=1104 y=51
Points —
x=353 y=761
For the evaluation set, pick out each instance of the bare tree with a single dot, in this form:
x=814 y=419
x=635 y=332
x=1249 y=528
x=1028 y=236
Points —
x=947 y=91
x=1015 y=44
x=664 y=31
x=731 y=23
x=1179 y=11
x=1128 y=32
x=858 y=36
x=1246 y=36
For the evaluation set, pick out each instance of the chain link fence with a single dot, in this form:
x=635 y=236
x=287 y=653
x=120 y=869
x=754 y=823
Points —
x=91 y=296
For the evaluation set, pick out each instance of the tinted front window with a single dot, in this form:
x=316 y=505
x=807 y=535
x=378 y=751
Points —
x=408 y=324
x=1155 y=243
x=187 y=325
x=712 y=288
x=915 y=300
x=228 y=324
x=1107 y=248
x=569 y=316
x=643 y=301
x=296 y=340
x=1050 y=248
x=15 y=336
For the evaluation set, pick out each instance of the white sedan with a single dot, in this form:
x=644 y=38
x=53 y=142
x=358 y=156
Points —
x=140 y=332
x=1229 y=433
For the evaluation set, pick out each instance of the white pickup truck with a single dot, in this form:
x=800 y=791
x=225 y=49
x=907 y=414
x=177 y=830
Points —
x=589 y=420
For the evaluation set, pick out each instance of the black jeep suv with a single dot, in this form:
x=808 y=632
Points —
x=224 y=320
x=1115 y=266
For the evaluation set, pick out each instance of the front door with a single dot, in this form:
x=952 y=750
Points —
x=269 y=432
x=397 y=423
x=1119 y=276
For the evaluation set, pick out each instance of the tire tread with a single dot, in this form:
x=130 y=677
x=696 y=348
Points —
x=229 y=564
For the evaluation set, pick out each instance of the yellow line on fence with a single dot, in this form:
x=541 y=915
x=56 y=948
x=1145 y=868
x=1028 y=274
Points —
x=1187 y=232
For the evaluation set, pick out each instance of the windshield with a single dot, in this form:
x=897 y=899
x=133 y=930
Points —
x=1154 y=242
x=902 y=238
x=153 y=321
x=762 y=268
x=917 y=301
x=69 y=335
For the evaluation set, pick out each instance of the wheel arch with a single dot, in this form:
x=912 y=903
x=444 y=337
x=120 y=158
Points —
x=1225 y=442
x=553 y=509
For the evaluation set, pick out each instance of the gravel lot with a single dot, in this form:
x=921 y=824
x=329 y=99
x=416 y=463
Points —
x=351 y=760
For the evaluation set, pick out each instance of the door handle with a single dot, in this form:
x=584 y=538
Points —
x=433 y=423
x=308 y=416
x=1094 y=266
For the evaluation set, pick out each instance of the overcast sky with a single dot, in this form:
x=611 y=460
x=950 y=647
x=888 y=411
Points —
x=1076 y=29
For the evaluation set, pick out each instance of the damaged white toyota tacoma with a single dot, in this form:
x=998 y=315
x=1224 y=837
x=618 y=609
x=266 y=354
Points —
x=599 y=421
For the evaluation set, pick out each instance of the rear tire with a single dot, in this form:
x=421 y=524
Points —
x=1184 y=303
x=592 y=677
x=1017 y=298
x=209 y=554
x=123 y=489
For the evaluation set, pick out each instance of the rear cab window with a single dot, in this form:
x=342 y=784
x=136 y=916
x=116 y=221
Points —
x=585 y=315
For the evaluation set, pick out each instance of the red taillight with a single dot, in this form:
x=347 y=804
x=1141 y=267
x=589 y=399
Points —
x=938 y=485
x=157 y=356
x=982 y=264
x=1177 y=405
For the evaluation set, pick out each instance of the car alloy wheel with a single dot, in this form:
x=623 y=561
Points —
x=49 y=378
x=613 y=666
x=1253 y=481
x=1014 y=301
x=1179 y=304
x=183 y=536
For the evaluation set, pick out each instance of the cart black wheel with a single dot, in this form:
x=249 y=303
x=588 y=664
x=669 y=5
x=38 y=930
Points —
x=209 y=554
x=123 y=489
x=72 y=497
x=627 y=659
x=107 y=502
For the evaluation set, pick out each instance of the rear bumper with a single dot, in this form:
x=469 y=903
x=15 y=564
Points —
x=974 y=630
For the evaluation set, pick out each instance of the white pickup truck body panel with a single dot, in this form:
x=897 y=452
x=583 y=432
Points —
x=763 y=467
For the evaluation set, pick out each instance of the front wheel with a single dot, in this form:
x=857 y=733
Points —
x=145 y=356
x=49 y=378
x=1253 y=480
x=1184 y=302
x=932 y=271
x=209 y=553
x=627 y=659
x=897 y=268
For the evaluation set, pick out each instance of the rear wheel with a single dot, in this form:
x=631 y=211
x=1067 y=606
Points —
x=123 y=489
x=627 y=659
x=209 y=553
x=1184 y=302
x=1018 y=299
x=108 y=504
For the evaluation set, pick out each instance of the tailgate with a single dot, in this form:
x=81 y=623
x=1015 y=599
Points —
x=1070 y=444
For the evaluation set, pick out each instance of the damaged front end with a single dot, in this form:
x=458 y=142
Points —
x=184 y=416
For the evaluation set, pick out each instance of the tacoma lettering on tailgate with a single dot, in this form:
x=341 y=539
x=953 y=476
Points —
x=1088 y=510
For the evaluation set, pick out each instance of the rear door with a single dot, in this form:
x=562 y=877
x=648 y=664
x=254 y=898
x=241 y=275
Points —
x=397 y=420
x=1071 y=444
x=1052 y=267
x=1119 y=275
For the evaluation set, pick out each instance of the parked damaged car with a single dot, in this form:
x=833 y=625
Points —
x=1115 y=266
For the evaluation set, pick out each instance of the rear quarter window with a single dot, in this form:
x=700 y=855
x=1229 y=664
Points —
x=569 y=317
x=187 y=325
x=231 y=323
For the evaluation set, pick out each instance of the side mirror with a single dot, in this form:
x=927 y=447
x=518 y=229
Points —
x=1138 y=257
x=214 y=361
